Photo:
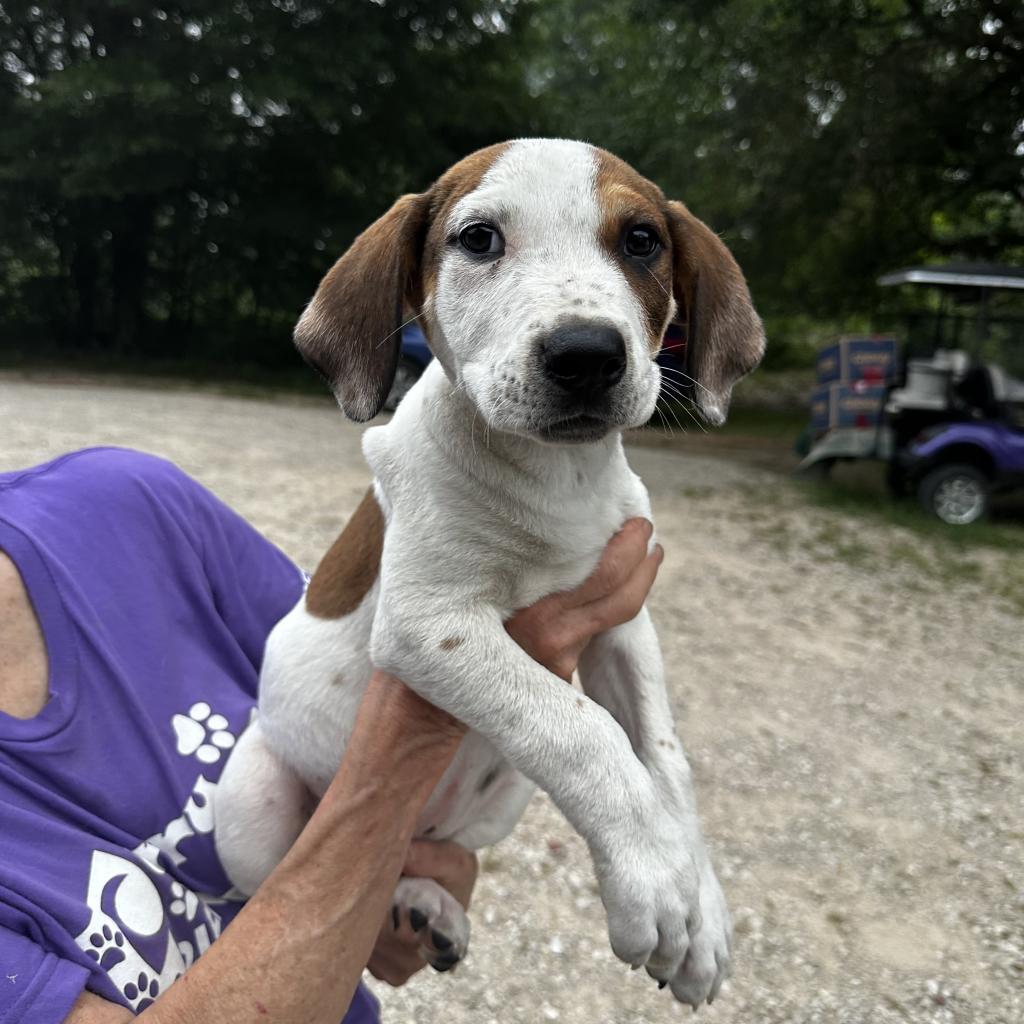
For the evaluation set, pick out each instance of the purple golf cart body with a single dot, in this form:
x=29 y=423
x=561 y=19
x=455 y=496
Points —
x=951 y=426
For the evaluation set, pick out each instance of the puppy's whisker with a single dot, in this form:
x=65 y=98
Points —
x=400 y=327
x=686 y=408
x=686 y=377
x=656 y=281
x=668 y=408
x=674 y=392
x=663 y=425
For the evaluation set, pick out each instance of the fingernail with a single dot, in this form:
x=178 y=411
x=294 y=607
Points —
x=417 y=919
x=659 y=550
x=648 y=527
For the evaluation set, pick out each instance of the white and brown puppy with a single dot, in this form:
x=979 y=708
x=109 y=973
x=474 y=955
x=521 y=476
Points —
x=544 y=273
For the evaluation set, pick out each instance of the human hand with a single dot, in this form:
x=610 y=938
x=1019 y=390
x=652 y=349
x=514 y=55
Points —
x=555 y=630
x=396 y=956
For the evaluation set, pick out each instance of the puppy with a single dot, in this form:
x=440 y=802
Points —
x=544 y=274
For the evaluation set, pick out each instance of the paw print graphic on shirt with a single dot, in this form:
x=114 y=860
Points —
x=202 y=733
x=185 y=901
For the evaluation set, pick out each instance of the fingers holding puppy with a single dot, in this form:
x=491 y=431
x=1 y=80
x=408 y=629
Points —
x=555 y=629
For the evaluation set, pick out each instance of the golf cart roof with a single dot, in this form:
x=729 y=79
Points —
x=959 y=275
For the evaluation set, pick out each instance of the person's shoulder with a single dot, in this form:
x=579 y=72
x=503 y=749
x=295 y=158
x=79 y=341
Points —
x=107 y=482
x=120 y=463
x=115 y=473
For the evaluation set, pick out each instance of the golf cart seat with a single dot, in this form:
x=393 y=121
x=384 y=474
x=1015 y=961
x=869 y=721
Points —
x=977 y=392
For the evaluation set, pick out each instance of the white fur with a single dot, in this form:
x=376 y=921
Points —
x=482 y=519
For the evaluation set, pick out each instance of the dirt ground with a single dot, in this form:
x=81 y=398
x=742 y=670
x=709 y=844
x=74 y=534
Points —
x=854 y=720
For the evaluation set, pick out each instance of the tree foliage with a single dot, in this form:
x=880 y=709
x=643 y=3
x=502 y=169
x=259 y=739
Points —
x=174 y=177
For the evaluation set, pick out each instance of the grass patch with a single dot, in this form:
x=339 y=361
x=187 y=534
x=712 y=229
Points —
x=766 y=423
x=1005 y=533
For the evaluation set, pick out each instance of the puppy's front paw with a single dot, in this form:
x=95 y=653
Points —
x=666 y=912
x=436 y=916
x=707 y=963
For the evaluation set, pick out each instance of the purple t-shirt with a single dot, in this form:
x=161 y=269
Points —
x=155 y=600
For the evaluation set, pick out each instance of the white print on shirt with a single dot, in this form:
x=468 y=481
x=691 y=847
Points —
x=135 y=913
x=126 y=933
x=195 y=819
x=202 y=733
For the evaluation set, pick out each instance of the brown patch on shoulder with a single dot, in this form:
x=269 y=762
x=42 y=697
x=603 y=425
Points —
x=449 y=643
x=458 y=181
x=348 y=570
x=627 y=199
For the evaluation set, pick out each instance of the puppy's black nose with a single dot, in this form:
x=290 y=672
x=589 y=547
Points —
x=584 y=358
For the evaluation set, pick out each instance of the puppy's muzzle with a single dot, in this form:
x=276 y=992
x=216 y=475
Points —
x=584 y=360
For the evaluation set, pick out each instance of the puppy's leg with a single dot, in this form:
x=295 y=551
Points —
x=260 y=808
x=571 y=747
x=436 y=917
x=622 y=670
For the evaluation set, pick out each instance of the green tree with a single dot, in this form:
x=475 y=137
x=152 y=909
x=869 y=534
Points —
x=827 y=141
x=197 y=165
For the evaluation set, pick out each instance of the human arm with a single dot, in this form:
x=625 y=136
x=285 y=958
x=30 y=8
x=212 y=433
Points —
x=296 y=950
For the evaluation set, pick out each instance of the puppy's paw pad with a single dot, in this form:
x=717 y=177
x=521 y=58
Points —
x=436 y=917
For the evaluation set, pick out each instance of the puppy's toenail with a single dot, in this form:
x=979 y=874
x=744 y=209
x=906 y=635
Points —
x=441 y=942
x=444 y=963
x=394 y=918
x=417 y=919
x=662 y=984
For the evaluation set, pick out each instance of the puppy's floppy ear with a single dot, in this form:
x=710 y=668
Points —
x=351 y=331
x=725 y=337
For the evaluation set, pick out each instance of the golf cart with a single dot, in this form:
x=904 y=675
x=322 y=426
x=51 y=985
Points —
x=947 y=419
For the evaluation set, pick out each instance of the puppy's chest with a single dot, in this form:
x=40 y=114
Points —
x=573 y=538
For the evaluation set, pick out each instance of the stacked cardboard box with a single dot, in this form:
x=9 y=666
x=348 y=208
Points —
x=853 y=377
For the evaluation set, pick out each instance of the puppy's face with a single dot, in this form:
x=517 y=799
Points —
x=544 y=273
x=548 y=287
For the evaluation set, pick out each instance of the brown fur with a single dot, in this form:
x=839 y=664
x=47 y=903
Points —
x=725 y=338
x=351 y=332
x=348 y=570
x=628 y=199
x=455 y=183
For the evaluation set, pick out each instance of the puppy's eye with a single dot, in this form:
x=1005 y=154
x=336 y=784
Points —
x=641 y=242
x=482 y=240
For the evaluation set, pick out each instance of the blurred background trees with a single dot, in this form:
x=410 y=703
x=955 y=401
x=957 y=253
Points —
x=174 y=177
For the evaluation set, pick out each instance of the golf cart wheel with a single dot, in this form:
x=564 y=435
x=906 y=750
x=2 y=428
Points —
x=957 y=494
x=407 y=373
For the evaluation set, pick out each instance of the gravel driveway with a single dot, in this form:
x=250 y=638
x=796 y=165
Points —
x=853 y=715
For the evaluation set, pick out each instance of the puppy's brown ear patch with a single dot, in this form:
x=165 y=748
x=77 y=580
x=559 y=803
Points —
x=351 y=331
x=348 y=570
x=725 y=336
